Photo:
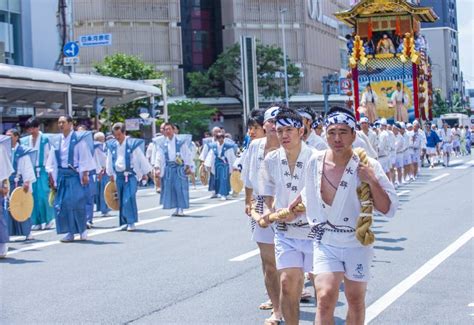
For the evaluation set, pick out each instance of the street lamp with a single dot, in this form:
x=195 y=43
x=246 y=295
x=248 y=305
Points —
x=282 y=12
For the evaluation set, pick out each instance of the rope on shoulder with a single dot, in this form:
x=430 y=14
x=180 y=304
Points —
x=363 y=232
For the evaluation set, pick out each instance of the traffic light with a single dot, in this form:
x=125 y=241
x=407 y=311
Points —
x=99 y=104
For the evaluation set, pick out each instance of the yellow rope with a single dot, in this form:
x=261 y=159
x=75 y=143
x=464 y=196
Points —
x=363 y=232
x=282 y=214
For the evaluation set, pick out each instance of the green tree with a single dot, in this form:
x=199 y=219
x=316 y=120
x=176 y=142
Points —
x=192 y=117
x=458 y=104
x=440 y=106
x=226 y=69
x=126 y=67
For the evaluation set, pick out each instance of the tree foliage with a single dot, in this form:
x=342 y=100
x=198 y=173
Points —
x=126 y=67
x=442 y=106
x=226 y=69
x=192 y=117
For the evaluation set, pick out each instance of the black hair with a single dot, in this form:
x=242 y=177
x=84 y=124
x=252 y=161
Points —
x=307 y=110
x=32 y=122
x=289 y=113
x=339 y=109
x=15 y=132
x=256 y=118
x=67 y=117
x=399 y=84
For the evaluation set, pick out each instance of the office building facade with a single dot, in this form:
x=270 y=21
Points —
x=178 y=37
x=442 y=38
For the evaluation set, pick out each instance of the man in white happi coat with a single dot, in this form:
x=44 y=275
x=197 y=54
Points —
x=252 y=167
x=399 y=147
x=309 y=137
x=447 y=139
x=318 y=142
x=333 y=208
x=393 y=152
x=384 y=148
x=373 y=138
x=418 y=140
x=282 y=180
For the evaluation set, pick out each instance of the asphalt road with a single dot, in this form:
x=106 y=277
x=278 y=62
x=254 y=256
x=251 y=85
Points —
x=203 y=268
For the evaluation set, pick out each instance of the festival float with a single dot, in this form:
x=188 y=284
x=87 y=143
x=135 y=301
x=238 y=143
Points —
x=386 y=48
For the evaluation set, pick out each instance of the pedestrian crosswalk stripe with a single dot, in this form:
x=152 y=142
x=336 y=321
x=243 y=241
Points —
x=439 y=177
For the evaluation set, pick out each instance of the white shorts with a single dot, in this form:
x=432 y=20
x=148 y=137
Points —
x=399 y=161
x=263 y=235
x=407 y=158
x=353 y=261
x=393 y=159
x=292 y=252
x=415 y=156
x=431 y=150
x=385 y=163
x=447 y=147
x=456 y=144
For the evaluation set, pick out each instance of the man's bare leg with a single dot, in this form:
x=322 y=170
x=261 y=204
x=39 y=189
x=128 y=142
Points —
x=291 y=281
x=327 y=293
x=270 y=275
x=355 y=294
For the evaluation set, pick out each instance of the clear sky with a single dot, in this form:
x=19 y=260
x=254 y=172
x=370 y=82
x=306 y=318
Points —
x=465 y=9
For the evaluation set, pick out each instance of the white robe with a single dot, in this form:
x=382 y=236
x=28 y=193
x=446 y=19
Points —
x=252 y=165
x=211 y=157
x=185 y=154
x=6 y=168
x=46 y=148
x=316 y=141
x=339 y=220
x=362 y=141
x=25 y=169
x=384 y=144
x=277 y=181
x=138 y=162
x=446 y=136
x=83 y=159
x=100 y=159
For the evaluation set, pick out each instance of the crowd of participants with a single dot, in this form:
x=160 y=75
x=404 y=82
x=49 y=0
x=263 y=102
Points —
x=302 y=176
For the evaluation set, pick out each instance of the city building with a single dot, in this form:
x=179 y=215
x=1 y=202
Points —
x=442 y=38
x=178 y=37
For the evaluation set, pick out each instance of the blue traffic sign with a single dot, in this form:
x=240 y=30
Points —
x=71 y=49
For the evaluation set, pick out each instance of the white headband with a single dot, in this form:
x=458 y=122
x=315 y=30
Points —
x=270 y=113
x=282 y=122
x=341 y=118
x=305 y=115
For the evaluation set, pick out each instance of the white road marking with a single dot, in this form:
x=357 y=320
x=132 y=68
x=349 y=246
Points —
x=454 y=162
x=396 y=292
x=471 y=304
x=106 y=231
x=465 y=165
x=96 y=221
x=403 y=192
x=437 y=178
x=245 y=256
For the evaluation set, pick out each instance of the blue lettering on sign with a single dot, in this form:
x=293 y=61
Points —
x=96 y=40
